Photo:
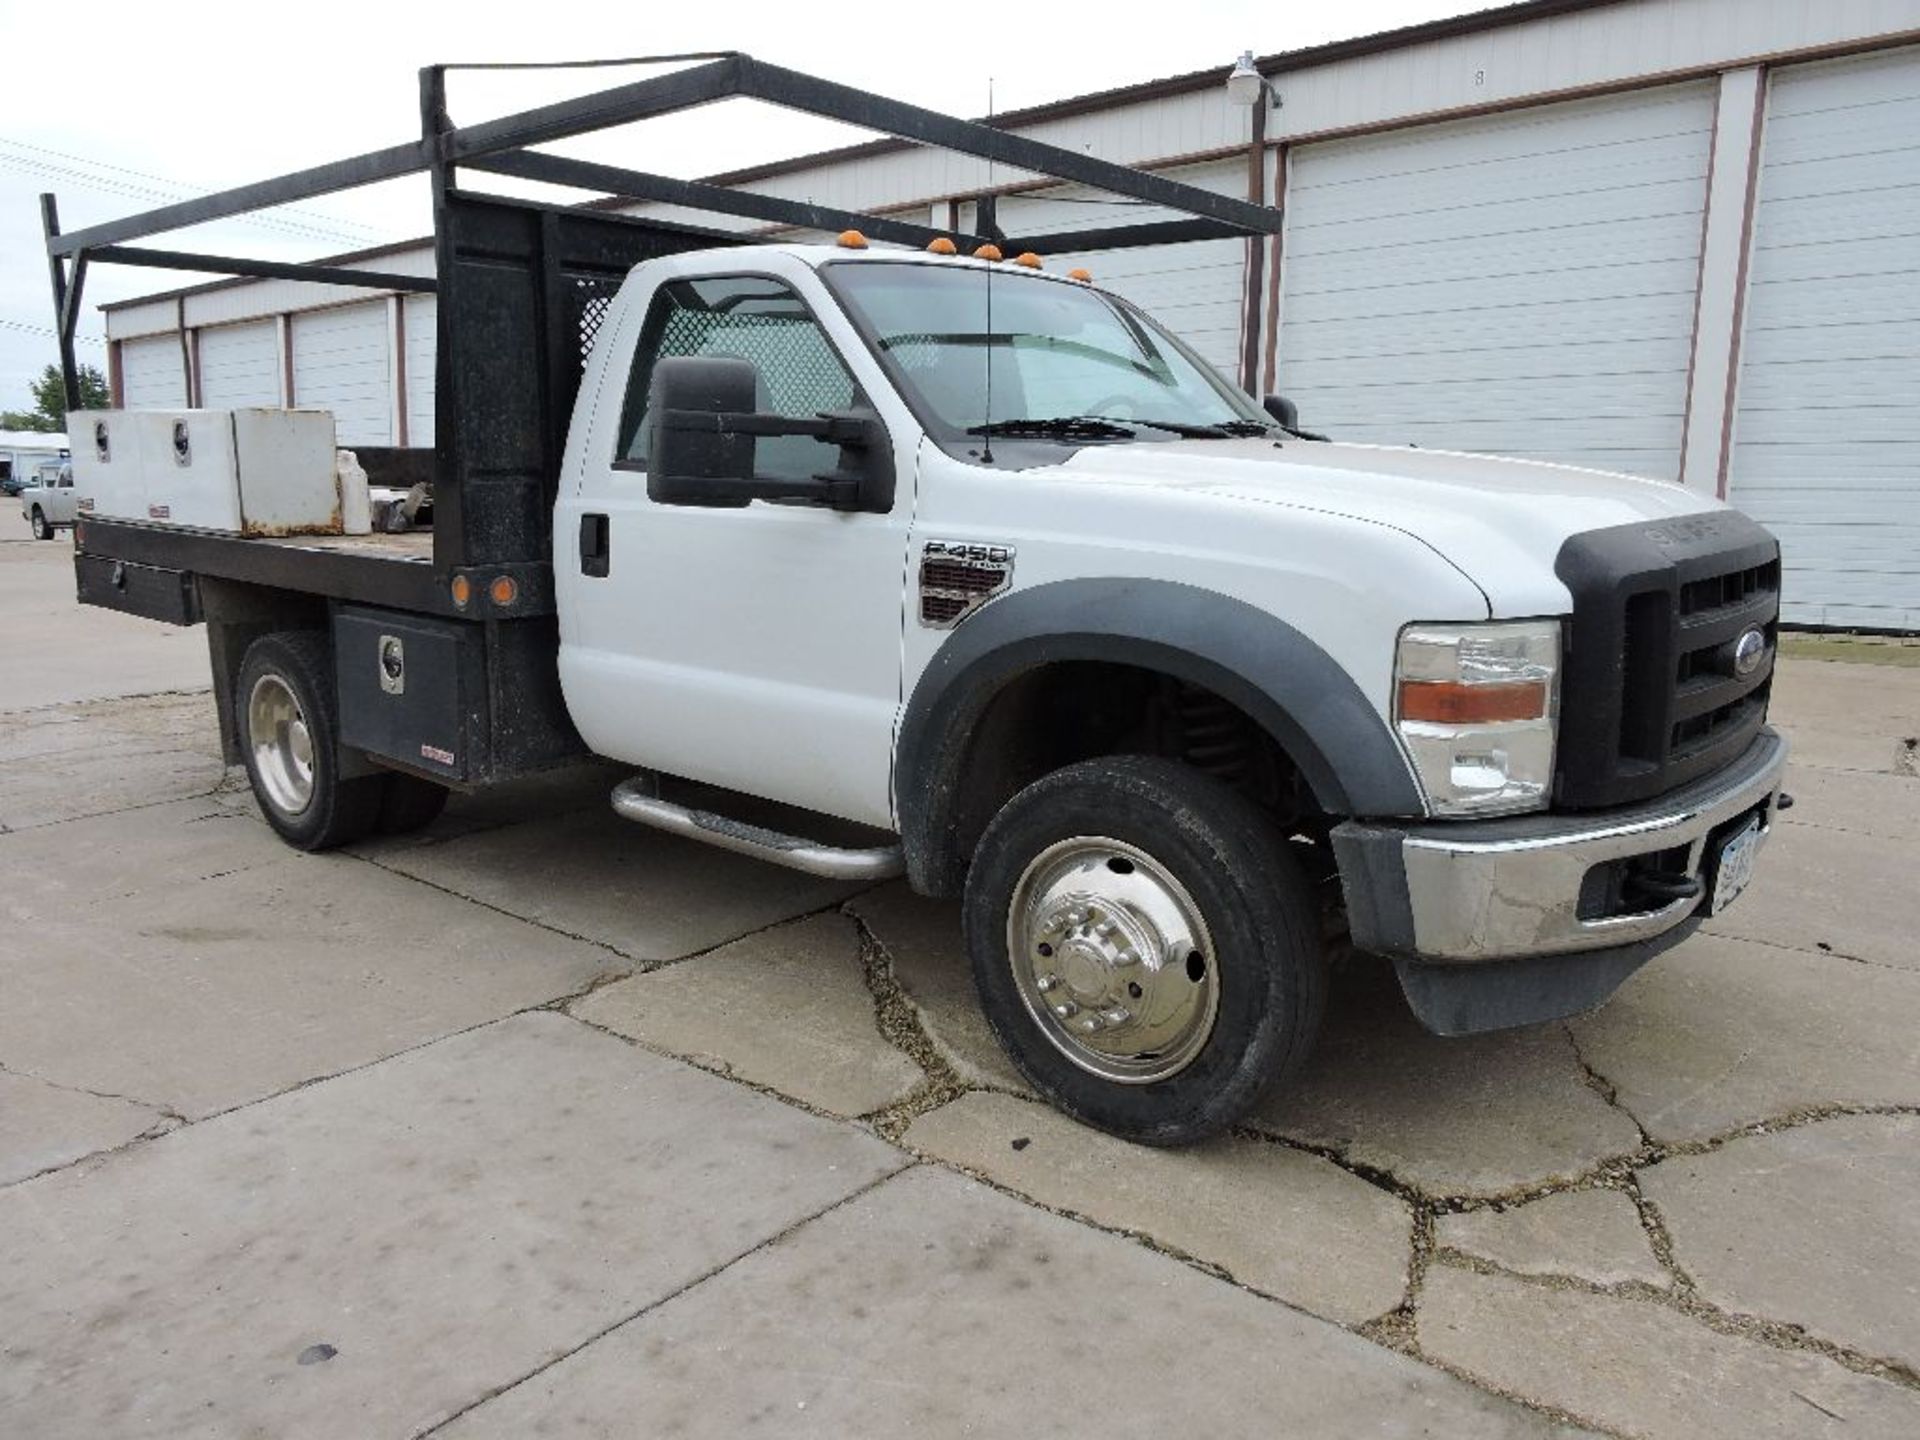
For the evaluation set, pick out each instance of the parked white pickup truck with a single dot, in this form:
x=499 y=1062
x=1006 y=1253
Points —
x=980 y=557
x=47 y=500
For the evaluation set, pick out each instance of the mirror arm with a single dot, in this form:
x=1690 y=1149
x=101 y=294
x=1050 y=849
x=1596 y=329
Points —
x=828 y=429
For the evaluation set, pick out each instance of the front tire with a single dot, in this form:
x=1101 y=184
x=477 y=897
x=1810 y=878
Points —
x=1145 y=947
x=41 y=529
x=289 y=726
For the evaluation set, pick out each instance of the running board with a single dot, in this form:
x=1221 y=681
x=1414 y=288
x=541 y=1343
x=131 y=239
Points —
x=633 y=800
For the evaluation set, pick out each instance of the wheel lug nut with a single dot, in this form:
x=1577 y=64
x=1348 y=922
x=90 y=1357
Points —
x=1076 y=916
x=1066 y=1009
x=1103 y=929
x=1047 y=982
x=1127 y=957
x=1119 y=1015
x=1089 y=1024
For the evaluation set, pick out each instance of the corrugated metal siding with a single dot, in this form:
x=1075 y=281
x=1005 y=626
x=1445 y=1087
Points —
x=1197 y=290
x=151 y=374
x=422 y=313
x=1826 y=430
x=240 y=365
x=341 y=363
x=1520 y=285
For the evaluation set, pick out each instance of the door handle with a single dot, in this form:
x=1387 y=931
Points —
x=595 y=547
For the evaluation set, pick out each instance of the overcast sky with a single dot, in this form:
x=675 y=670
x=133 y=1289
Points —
x=120 y=107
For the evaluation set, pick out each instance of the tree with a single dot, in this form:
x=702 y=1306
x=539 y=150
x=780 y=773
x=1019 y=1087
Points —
x=49 y=411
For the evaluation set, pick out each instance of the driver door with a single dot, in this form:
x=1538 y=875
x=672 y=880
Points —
x=755 y=648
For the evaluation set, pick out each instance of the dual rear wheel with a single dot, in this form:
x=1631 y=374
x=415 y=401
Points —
x=288 y=719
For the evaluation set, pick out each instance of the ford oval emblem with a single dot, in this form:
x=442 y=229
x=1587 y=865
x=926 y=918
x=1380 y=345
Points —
x=1748 y=651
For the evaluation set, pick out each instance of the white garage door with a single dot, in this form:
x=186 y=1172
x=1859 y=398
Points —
x=1827 y=432
x=1518 y=285
x=152 y=375
x=341 y=363
x=240 y=365
x=1197 y=289
x=422 y=313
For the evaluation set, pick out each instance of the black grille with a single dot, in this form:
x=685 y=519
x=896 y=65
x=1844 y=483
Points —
x=1650 y=696
x=594 y=295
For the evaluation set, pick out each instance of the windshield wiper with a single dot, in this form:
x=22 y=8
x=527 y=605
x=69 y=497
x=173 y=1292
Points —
x=1060 y=427
x=1174 y=427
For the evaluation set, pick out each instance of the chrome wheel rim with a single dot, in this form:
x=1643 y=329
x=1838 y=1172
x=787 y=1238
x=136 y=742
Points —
x=282 y=745
x=1113 y=960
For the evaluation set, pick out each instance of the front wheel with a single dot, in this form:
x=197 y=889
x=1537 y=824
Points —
x=1145 y=947
x=42 y=530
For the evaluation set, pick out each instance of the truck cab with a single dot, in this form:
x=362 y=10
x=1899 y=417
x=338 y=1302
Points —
x=1182 y=703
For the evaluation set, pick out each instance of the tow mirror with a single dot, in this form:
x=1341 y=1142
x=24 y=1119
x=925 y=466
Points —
x=706 y=431
x=1287 y=415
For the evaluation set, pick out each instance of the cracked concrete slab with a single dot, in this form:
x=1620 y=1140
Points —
x=141 y=725
x=1287 y=1223
x=959 y=1310
x=204 y=995
x=444 y=1222
x=1642 y=1368
x=1884 y=805
x=929 y=959
x=787 y=1008
x=1817 y=1226
x=1806 y=894
x=1592 y=1235
x=1477 y=1115
x=647 y=895
x=45 y=790
x=1721 y=1033
x=45 y=1126
x=82 y=863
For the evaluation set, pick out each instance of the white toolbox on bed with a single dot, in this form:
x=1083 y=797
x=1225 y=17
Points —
x=244 y=472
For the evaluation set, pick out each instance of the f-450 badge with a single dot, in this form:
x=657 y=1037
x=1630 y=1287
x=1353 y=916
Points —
x=958 y=577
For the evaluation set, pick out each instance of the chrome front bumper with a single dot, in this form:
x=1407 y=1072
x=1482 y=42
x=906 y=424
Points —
x=1454 y=893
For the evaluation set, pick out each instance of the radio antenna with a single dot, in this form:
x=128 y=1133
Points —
x=986 y=428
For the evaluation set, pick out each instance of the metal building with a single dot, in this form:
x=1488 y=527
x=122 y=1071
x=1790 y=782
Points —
x=1675 y=237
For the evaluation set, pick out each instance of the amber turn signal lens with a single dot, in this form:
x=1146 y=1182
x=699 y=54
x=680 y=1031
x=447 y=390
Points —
x=1083 y=276
x=462 y=590
x=503 y=591
x=852 y=240
x=1028 y=259
x=988 y=252
x=941 y=245
x=1448 y=702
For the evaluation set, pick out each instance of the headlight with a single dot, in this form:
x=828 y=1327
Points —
x=1478 y=706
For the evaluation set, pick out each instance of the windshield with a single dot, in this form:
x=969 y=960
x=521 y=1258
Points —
x=1059 y=352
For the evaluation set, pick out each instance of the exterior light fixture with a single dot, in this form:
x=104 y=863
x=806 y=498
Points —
x=1245 y=83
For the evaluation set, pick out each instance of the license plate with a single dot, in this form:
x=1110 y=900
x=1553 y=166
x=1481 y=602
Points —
x=1734 y=868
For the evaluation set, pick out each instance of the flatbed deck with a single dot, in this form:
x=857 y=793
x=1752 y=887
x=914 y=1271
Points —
x=392 y=570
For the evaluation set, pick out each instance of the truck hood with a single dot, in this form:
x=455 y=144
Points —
x=1500 y=522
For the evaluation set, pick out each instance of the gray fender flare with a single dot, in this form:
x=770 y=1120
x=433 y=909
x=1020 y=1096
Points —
x=1290 y=686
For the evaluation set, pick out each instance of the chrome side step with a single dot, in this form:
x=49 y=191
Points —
x=634 y=800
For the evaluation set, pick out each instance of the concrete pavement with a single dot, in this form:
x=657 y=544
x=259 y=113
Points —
x=541 y=1123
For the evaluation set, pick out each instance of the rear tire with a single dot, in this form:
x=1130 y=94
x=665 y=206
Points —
x=41 y=529
x=1145 y=947
x=288 y=720
x=410 y=804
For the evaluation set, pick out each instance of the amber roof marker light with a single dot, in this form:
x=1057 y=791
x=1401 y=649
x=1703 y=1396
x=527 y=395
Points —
x=852 y=240
x=1028 y=259
x=941 y=245
x=988 y=251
